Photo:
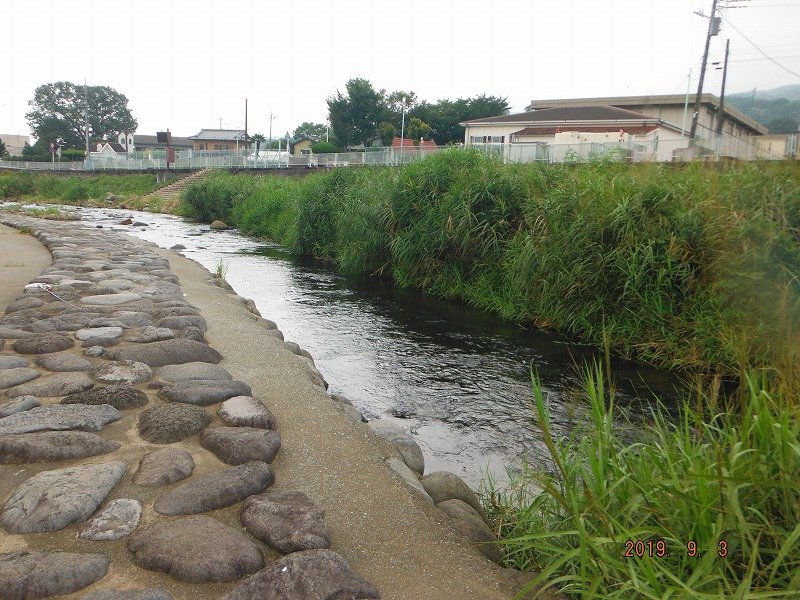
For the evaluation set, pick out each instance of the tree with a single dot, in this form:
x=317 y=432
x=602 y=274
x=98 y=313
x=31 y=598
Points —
x=59 y=107
x=3 y=151
x=323 y=148
x=312 y=131
x=258 y=139
x=386 y=131
x=355 y=116
x=444 y=116
x=417 y=128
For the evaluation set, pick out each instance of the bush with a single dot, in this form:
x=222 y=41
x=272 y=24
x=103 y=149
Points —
x=323 y=148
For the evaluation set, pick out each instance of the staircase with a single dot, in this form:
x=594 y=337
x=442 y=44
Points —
x=173 y=190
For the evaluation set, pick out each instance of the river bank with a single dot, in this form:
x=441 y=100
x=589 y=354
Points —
x=385 y=531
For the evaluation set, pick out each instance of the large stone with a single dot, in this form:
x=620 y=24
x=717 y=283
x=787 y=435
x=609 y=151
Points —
x=168 y=423
x=216 y=490
x=126 y=372
x=288 y=522
x=12 y=333
x=29 y=575
x=164 y=466
x=469 y=525
x=99 y=336
x=218 y=225
x=61 y=323
x=196 y=549
x=111 y=299
x=183 y=322
x=117 y=520
x=442 y=486
x=203 y=392
x=408 y=476
x=18 y=405
x=43 y=343
x=405 y=444
x=192 y=371
x=141 y=594
x=152 y=334
x=310 y=575
x=58 y=384
x=52 y=500
x=12 y=362
x=49 y=446
x=167 y=352
x=238 y=445
x=120 y=397
x=63 y=362
x=12 y=377
x=23 y=304
x=246 y=411
x=60 y=418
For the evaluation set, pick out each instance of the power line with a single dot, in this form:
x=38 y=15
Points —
x=753 y=44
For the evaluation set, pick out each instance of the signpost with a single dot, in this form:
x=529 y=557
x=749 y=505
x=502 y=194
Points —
x=165 y=137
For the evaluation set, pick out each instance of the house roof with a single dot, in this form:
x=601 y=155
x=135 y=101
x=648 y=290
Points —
x=225 y=135
x=550 y=129
x=598 y=112
x=407 y=143
x=116 y=147
x=152 y=140
x=709 y=100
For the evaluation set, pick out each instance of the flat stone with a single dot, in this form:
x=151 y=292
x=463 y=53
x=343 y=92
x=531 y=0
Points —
x=152 y=334
x=408 y=477
x=196 y=549
x=164 y=466
x=12 y=377
x=469 y=525
x=168 y=423
x=58 y=384
x=183 y=322
x=405 y=444
x=60 y=418
x=99 y=336
x=52 y=500
x=193 y=370
x=23 y=304
x=443 y=486
x=167 y=352
x=28 y=575
x=194 y=334
x=246 y=411
x=202 y=392
x=310 y=575
x=289 y=521
x=50 y=446
x=141 y=594
x=12 y=362
x=180 y=310
x=117 y=520
x=18 y=405
x=106 y=322
x=68 y=322
x=132 y=318
x=61 y=362
x=12 y=333
x=43 y=343
x=111 y=299
x=238 y=445
x=126 y=372
x=116 y=285
x=120 y=397
x=216 y=490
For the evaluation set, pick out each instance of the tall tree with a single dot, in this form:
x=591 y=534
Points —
x=355 y=116
x=62 y=103
x=417 y=128
x=258 y=139
x=3 y=151
x=445 y=115
x=312 y=131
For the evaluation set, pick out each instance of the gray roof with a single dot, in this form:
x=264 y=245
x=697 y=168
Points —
x=571 y=113
x=152 y=140
x=226 y=135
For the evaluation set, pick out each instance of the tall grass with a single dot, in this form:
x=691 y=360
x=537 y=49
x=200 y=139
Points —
x=720 y=490
x=691 y=266
x=47 y=187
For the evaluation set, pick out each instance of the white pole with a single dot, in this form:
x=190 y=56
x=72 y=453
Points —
x=402 y=133
x=686 y=103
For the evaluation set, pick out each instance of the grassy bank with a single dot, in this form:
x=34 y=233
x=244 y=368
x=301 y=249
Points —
x=40 y=187
x=705 y=508
x=691 y=266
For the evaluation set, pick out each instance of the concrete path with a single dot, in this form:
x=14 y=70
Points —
x=22 y=258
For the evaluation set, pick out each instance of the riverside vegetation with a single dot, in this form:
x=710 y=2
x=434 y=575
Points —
x=692 y=267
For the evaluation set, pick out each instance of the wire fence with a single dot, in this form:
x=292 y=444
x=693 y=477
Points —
x=651 y=150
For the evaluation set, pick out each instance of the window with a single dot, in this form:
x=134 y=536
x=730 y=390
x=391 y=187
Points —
x=487 y=139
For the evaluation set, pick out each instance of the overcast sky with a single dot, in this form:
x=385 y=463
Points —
x=184 y=64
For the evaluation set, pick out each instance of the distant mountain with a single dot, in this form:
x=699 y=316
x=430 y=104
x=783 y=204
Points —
x=778 y=108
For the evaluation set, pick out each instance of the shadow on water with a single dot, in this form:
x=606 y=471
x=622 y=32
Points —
x=456 y=378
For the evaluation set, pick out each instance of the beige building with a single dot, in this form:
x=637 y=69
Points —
x=14 y=143
x=219 y=140
x=302 y=147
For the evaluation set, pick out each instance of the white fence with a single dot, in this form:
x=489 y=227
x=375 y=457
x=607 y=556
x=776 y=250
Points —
x=654 y=150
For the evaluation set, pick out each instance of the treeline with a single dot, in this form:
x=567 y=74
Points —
x=680 y=266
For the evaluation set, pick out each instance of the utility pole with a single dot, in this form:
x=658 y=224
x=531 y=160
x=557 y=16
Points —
x=271 y=118
x=86 y=116
x=713 y=29
x=245 y=123
x=721 y=117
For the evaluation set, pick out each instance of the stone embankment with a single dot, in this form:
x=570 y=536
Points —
x=135 y=466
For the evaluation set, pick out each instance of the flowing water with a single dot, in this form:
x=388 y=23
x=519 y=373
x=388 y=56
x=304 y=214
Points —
x=456 y=379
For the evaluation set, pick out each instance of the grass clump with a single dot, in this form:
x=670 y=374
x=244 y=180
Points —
x=726 y=480
x=39 y=186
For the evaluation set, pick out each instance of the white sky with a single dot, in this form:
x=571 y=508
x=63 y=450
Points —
x=184 y=64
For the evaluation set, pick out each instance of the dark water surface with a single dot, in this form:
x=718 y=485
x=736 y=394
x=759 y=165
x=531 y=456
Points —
x=457 y=379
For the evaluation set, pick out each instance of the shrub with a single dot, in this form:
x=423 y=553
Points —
x=324 y=148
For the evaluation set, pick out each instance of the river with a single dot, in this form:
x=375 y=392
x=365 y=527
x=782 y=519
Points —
x=456 y=379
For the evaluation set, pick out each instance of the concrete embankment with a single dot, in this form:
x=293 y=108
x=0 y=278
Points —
x=181 y=446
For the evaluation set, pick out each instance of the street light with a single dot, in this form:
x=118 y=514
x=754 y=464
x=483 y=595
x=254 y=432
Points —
x=402 y=132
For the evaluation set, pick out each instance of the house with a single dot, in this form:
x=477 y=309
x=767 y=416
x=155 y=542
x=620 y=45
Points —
x=112 y=150
x=150 y=142
x=220 y=139
x=302 y=146
x=409 y=144
x=14 y=143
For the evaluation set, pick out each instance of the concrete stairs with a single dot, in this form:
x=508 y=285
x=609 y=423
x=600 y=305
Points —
x=173 y=190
